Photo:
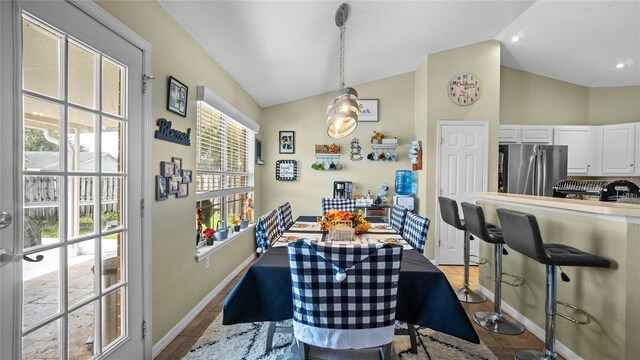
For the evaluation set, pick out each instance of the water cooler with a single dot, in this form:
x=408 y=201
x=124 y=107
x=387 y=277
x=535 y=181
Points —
x=404 y=187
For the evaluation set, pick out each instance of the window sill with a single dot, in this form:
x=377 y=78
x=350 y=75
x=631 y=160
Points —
x=203 y=252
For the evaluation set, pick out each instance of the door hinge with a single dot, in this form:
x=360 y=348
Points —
x=441 y=192
x=442 y=140
x=142 y=208
x=439 y=242
x=146 y=77
x=144 y=329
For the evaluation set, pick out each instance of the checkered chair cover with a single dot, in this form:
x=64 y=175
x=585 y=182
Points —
x=285 y=219
x=398 y=216
x=415 y=231
x=338 y=204
x=344 y=297
x=267 y=230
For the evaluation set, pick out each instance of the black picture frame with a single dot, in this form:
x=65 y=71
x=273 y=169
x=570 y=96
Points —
x=287 y=142
x=161 y=188
x=286 y=170
x=183 y=190
x=177 y=168
x=187 y=176
x=167 y=168
x=177 y=95
x=172 y=186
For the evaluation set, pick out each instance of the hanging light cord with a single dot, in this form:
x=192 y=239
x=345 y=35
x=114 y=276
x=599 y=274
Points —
x=342 y=31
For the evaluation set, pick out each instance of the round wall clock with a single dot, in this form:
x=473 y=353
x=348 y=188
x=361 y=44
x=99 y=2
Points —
x=464 y=88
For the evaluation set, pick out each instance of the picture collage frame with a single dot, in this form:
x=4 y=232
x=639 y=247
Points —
x=173 y=180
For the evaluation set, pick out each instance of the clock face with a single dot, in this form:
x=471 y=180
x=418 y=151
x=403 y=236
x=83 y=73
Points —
x=464 y=89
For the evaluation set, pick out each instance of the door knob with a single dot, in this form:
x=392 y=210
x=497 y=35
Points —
x=5 y=219
x=7 y=256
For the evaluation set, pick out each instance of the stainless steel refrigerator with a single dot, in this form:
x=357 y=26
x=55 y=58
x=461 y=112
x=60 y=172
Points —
x=532 y=169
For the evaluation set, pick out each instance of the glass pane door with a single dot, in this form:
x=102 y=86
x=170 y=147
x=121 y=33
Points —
x=74 y=182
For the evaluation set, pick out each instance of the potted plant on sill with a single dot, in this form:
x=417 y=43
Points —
x=236 y=224
x=209 y=234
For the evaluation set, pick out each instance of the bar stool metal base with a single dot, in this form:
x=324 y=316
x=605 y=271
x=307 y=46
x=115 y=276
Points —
x=467 y=295
x=497 y=323
x=534 y=355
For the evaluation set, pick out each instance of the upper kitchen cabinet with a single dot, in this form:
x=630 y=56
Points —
x=509 y=134
x=583 y=149
x=534 y=134
x=618 y=149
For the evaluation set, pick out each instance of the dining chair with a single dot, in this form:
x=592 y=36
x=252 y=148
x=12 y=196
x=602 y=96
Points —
x=398 y=216
x=338 y=204
x=285 y=217
x=344 y=297
x=267 y=230
x=415 y=231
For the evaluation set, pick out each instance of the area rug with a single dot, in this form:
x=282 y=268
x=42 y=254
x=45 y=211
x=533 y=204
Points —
x=247 y=342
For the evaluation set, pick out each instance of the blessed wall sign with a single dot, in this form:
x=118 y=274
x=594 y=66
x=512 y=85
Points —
x=165 y=132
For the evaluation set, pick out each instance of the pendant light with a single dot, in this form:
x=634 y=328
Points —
x=342 y=113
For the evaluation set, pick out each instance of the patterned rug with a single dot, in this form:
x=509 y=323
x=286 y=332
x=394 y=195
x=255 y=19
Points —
x=247 y=342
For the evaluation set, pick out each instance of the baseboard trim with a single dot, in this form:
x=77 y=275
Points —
x=175 y=331
x=531 y=326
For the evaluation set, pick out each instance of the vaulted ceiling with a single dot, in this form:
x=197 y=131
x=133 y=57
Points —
x=280 y=51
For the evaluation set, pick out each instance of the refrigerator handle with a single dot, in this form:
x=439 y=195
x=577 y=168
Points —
x=540 y=171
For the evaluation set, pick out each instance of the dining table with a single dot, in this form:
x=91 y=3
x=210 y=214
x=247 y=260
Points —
x=425 y=297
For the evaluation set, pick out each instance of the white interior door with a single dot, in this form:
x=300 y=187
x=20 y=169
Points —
x=72 y=181
x=462 y=171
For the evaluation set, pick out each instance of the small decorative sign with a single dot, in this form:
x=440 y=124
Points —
x=368 y=110
x=165 y=132
x=287 y=142
x=286 y=170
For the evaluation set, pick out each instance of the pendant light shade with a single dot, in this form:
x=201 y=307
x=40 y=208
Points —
x=342 y=113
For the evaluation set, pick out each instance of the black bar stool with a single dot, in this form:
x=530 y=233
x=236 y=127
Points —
x=492 y=320
x=449 y=212
x=522 y=234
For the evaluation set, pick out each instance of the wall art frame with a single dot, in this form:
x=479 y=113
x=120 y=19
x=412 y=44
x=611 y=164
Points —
x=177 y=95
x=368 y=110
x=286 y=170
x=287 y=142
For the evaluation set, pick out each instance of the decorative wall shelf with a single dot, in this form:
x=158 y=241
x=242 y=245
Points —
x=328 y=162
x=383 y=146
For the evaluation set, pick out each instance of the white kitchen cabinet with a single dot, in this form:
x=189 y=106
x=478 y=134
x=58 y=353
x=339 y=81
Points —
x=532 y=134
x=509 y=134
x=583 y=149
x=618 y=149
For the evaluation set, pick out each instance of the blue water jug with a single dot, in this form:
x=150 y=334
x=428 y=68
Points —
x=403 y=182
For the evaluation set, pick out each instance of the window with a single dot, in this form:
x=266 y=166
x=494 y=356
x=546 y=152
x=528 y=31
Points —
x=224 y=163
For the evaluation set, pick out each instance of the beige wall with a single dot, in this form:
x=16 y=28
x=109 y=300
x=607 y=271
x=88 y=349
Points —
x=531 y=99
x=483 y=60
x=307 y=117
x=178 y=282
x=614 y=105
x=420 y=128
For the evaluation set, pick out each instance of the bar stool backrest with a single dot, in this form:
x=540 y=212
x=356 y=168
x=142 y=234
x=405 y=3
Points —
x=522 y=234
x=474 y=221
x=449 y=212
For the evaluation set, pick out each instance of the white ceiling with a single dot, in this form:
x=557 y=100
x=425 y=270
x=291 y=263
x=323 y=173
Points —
x=280 y=51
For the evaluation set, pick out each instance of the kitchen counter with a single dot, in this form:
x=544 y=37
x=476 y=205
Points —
x=611 y=296
x=588 y=206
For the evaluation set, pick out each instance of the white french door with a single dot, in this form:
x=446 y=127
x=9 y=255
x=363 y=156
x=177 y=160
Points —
x=71 y=180
x=462 y=171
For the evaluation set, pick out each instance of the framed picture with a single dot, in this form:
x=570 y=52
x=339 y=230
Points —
x=367 y=110
x=167 y=168
x=177 y=97
x=183 y=190
x=177 y=169
x=161 y=188
x=286 y=170
x=173 y=186
x=287 y=142
x=186 y=176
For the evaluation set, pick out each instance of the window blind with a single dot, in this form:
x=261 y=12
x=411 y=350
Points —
x=224 y=154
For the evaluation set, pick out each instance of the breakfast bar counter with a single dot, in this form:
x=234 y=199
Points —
x=610 y=296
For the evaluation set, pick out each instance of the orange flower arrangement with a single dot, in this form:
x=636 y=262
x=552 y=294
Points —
x=358 y=223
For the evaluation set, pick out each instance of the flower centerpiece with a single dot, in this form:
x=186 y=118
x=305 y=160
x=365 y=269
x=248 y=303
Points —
x=358 y=223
